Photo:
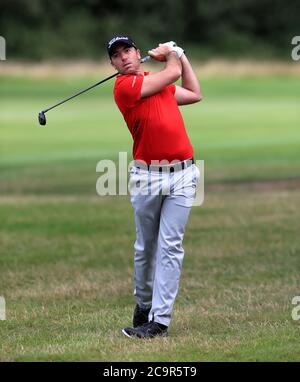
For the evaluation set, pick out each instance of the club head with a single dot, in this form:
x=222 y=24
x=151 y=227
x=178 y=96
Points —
x=42 y=118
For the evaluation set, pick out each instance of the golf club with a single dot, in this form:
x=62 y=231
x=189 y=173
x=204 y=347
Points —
x=42 y=117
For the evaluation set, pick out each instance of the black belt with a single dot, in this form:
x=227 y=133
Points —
x=178 y=166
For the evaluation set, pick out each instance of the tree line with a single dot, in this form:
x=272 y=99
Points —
x=45 y=29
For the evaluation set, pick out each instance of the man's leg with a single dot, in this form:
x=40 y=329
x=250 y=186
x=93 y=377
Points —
x=168 y=260
x=174 y=216
x=147 y=216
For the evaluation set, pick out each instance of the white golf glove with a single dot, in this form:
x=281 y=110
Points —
x=174 y=47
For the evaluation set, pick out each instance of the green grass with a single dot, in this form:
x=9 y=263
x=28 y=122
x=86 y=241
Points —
x=66 y=254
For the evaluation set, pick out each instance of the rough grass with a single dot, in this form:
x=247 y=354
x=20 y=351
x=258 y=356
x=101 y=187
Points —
x=68 y=286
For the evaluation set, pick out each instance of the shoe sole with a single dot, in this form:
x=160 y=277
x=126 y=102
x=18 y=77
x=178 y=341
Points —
x=143 y=338
x=126 y=334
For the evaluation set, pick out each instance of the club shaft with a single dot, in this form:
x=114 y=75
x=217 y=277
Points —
x=147 y=58
x=82 y=91
x=144 y=59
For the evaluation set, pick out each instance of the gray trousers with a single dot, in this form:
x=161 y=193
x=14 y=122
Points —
x=160 y=218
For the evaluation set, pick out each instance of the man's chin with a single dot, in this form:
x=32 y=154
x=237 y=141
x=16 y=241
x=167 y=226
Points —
x=128 y=71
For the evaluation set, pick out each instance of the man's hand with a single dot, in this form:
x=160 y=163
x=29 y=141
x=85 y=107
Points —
x=160 y=53
x=174 y=47
x=171 y=44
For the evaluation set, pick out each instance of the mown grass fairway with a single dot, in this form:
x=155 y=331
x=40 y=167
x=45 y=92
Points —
x=66 y=254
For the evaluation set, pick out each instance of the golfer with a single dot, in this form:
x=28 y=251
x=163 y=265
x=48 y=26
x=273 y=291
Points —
x=163 y=178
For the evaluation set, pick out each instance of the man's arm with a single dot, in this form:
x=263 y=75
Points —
x=154 y=83
x=189 y=91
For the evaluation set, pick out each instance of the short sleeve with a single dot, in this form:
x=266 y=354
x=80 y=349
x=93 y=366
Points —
x=127 y=91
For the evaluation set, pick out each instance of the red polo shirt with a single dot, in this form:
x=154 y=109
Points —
x=154 y=122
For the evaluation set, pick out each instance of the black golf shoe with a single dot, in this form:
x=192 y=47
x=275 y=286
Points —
x=140 y=316
x=150 y=330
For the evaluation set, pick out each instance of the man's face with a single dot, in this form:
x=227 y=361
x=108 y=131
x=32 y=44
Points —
x=126 y=59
